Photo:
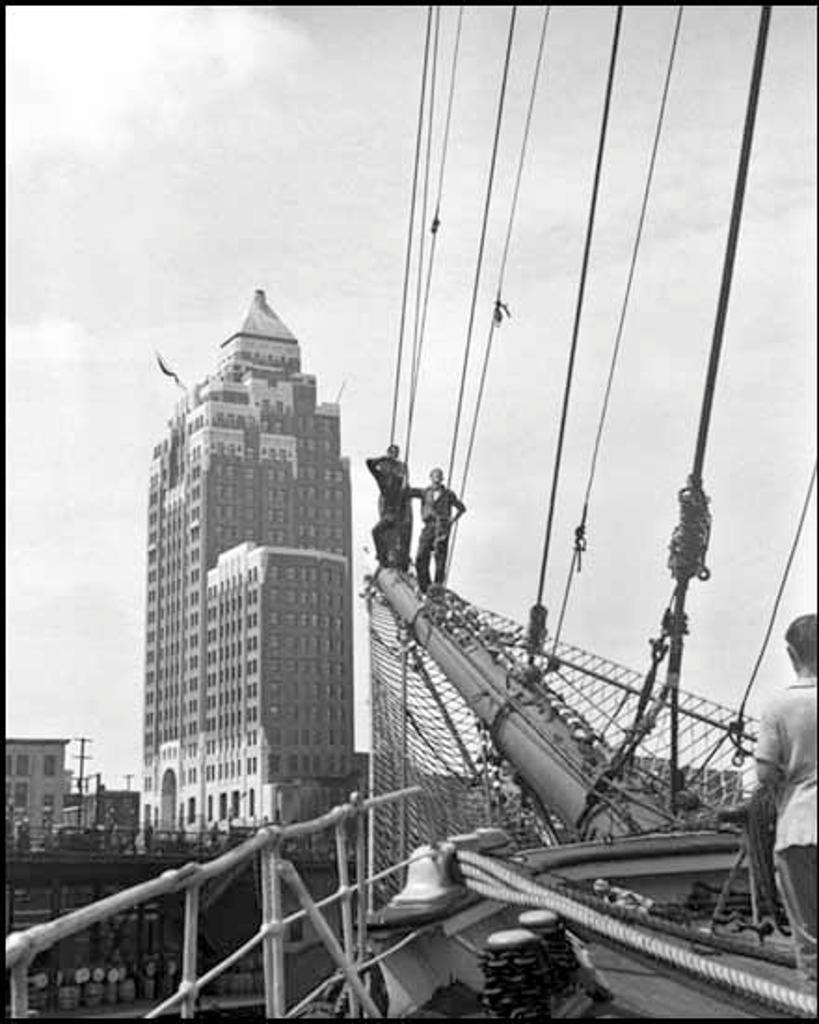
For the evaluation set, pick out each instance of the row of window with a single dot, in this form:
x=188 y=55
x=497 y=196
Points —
x=24 y=765
x=17 y=794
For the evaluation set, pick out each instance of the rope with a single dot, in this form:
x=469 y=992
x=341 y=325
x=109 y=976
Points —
x=738 y=727
x=482 y=242
x=580 y=540
x=490 y=879
x=500 y=310
x=423 y=218
x=579 y=306
x=731 y=245
x=691 y=536
x=408 y=260
x=436 y=223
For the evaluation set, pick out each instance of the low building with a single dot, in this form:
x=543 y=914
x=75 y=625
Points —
x=118 y=807
x=36 y=780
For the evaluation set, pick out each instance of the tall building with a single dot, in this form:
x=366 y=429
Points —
x=248 y=668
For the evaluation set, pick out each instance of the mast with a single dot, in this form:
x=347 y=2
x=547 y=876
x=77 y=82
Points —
x=690 y=539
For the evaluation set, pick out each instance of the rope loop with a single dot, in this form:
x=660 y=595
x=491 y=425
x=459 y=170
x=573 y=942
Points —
x=501 y=311
x=736 y=730
x=689 y=541
x=580 y=543
x=537 y=631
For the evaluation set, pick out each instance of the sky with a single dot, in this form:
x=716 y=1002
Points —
x=165 y=162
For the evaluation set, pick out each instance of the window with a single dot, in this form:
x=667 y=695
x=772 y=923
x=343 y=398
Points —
x=210 y=808
x=191 y=810
x=48 y=802
x=49 y=765
x=251 y=803
x=22 y=764
x=234 y=804
x=223 y=806
x=21 y=794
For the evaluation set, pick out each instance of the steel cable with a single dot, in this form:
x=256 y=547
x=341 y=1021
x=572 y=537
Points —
x=580 y=532
x=482 y=243
x=579 y=305
x=498 y=310
x=400 y=353
x=434 y=228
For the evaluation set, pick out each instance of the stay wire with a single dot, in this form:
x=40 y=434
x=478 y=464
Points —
x=422 y=308
x=479 y=265
x=499 y=307
x=434 y=227
x=731 y=246
x=780 y=591
x=408 y=259
x=579 y=306
x=580 y=531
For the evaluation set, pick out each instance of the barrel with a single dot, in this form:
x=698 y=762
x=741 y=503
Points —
x=126 y=990
x=68 y=997
x=110 y=995
x=149 y=988
x=92 y=993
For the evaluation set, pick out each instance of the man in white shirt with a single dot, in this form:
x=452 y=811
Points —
x=786 y=760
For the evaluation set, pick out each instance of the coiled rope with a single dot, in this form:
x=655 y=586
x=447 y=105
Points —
x=496 y=882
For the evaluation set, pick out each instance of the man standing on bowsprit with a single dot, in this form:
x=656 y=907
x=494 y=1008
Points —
x=437 y=503
x=391 y=475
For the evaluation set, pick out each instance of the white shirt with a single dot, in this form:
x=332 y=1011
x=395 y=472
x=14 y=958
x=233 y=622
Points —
x=787 y=739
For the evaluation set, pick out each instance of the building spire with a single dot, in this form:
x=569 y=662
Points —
x=262 y=322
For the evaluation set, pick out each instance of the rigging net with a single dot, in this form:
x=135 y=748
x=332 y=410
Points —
x=436 y=742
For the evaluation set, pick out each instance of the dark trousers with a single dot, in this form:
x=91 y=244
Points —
x=434 y=540
x=796 y=875
x=382 y=535
x=391 y=536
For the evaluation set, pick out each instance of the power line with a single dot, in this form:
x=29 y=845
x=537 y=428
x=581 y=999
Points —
x=479 y=265
x=82 y=757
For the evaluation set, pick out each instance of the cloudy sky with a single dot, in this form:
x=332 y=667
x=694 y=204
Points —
x=164 y=162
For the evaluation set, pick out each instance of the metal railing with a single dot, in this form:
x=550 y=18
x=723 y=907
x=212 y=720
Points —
x=348 y=954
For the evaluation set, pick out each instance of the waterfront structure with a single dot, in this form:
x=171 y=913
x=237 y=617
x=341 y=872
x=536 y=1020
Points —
x=105 y=806
x=248 y=672
x=36 y=780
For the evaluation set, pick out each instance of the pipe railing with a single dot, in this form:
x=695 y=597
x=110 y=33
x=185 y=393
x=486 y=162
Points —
x=348 y=956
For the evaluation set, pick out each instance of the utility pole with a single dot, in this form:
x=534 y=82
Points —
x=82 y=757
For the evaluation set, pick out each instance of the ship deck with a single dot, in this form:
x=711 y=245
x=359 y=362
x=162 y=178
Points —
x=641 y=989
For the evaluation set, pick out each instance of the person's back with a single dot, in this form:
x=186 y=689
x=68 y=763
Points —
x=786 y=762
x=792 y=715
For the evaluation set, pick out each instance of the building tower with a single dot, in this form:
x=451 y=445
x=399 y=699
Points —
x=248 y=671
